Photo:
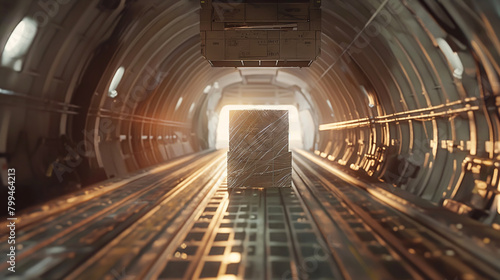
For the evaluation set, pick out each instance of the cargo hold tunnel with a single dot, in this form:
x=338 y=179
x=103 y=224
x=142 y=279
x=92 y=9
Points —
x=113 y=164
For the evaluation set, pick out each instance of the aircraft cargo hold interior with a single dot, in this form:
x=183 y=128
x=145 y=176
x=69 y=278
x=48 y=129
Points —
x=250 y=139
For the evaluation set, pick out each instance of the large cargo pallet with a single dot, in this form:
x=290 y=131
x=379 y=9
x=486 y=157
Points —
x=258 y=153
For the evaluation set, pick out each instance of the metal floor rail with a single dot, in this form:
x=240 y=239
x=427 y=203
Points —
x=182 y=222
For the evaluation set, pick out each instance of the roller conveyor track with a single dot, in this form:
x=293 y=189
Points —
x=393 y=245
x=56 y=244
x=182 y=222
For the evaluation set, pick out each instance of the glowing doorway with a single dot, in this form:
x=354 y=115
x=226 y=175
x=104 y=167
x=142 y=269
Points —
x=294 y=137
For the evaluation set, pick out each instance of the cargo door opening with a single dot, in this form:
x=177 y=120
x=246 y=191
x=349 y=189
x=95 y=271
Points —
x=295 y=134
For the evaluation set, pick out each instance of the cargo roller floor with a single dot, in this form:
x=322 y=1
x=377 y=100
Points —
x=181 y=221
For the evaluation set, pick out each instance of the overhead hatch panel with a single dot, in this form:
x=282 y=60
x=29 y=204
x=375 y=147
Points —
x=255 y=33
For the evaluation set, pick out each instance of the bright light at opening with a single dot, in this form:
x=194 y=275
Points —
x=19 y=43
x=207 y=89
x=117 y=78
x=453 y=58
x=179 y=102
x=216 y=85
x=295 y=136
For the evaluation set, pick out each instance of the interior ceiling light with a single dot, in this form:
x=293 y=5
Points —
x=115 y=82
x=331 y=107
x=371 y=100
x=452 y=57
x=191 y=109
x=178 y=103
x=329 y=104
x=19 y=43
